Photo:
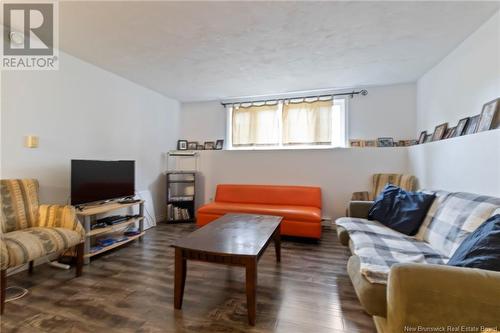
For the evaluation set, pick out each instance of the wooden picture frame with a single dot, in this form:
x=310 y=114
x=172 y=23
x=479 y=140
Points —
x=200 y=147
x=209 y=145
x=192 y=145
x=472 y=125
x=356 y=143
x=421 y=138
x=462 y=124
x=439 y=132
x=490 y=117
x=370 y=143
x=449 y=132
x=182 y=144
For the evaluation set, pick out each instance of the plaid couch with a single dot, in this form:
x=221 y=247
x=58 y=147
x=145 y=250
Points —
x=377 y=250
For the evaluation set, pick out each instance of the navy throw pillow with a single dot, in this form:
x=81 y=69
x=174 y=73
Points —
x=481 y=248
x=401 y=210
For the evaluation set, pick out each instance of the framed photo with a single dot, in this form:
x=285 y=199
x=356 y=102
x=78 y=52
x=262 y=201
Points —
x=462 y=123
x=439 y=132
x=472 y=125
x=490 y=117
x=410 y=143
x=385 y=142
x=182 y=145
x=200 y=147
x=428 y=138
x=449 y=132
x=421 y=138
x=370 y=143
x=219 y=144
x=192 y=145
x=209 y=145
x=356 y=143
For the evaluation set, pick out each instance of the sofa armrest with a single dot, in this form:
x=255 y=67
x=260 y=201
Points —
x=61 y=217
x=359 y=209
x=439 y=296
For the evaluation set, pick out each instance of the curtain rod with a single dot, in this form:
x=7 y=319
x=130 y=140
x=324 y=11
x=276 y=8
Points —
x=362 y=92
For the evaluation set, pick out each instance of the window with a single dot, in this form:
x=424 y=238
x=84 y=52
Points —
x=293 y=123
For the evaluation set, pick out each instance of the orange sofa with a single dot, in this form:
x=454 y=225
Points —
x=300 y=206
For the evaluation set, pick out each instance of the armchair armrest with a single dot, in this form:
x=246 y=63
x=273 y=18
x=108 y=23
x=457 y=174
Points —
x=438 y=295
x=361 y=196
x=61 y=217
x=359 y=209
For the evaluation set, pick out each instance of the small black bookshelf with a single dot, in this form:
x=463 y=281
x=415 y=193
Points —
x=181 y=189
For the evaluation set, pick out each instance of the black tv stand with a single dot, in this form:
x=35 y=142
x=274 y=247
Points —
x=128 y=200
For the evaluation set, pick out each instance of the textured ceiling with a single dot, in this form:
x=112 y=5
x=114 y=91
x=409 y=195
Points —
x=212 y=50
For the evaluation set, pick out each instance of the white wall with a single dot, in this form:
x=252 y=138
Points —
x=371 y=116
x=338 y=172
x=82 y=111
x=455 y=88
x=468 y=163
x=385 y=111
x=463 y=81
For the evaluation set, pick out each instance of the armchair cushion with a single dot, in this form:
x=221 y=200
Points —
x=28 y=244
x=4 y=255
x=60 y=217
x=19 y=204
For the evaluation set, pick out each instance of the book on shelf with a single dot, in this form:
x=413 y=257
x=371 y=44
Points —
x=177 y=213
x=181 y=198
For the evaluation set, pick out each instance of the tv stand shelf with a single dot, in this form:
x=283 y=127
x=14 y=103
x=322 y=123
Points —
x=89 y=215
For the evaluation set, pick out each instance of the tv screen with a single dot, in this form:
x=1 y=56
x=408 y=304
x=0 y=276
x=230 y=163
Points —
x=93 y=181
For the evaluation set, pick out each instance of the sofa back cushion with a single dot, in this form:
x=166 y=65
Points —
x=452 y=217
x=269 y=194
x=19 y=206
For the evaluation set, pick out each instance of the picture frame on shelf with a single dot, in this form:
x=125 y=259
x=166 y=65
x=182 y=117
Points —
x=439 y=132
x=200 y=147
x=421 y=138
x=462 y=124
x=356 y=143
x=182 y=144
x=490 y=117
x=428 y=138
x=192 y=145
x=209 y=145
x=449 y=132
x=472 y=125
x=370 y=143
x=385 y=142
x=219 y=144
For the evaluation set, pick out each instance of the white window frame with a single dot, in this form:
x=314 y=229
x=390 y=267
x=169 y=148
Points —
x=342 y=137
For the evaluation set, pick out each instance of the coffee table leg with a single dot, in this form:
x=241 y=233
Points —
x=180 y=278
x=277 y=245
x=251 y=286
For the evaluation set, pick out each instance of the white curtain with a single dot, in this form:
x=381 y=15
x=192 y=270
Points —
x=255 y=125
x=307 y=122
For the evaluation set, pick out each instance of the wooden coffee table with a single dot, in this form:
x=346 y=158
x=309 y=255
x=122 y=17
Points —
x=233 y=239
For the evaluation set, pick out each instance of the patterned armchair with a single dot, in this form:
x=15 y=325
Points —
x=362 y=201
x=30 y=230
x=407 y=182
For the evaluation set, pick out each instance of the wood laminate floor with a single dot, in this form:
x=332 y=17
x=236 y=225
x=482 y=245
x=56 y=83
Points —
x=131 y=290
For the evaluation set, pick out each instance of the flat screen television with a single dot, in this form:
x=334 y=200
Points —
x=93 y=181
